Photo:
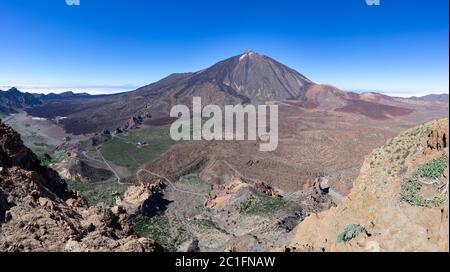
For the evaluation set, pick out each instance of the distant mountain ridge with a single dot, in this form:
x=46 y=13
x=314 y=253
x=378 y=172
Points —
x=434 y=97
x=12 y=100
x=242 y=79
x=249 y=78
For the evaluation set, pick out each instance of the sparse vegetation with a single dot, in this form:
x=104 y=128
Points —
x=433 y=169
x=204 y=223
x=262 y=205
x=47 y=159
x=194 y=180
x=159 y=229
x=411 y=187
x=154 y=227
x=350 y=232
x=125 y=150
x=397 y=150
x=96 y=193
x=411 y=194
x=406 y=154
x=105 y=213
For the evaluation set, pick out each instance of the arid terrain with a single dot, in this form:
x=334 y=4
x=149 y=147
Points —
x=112 y=155
x=311 y=142
x=39 y=213
x=399 y=201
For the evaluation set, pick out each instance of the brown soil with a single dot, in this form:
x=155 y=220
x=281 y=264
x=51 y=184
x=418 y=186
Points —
x=311 y=142
x=375 y=204
x=374 y=110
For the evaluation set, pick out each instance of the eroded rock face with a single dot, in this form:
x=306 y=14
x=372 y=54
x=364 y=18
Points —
x=12 y=150
x=438 y=137
x=135 y=121
x=265 y=189
x=142 y=199
x=39 y=213
x=375 y=205
x=189 y=246
x=75 y=168
x=232 y=193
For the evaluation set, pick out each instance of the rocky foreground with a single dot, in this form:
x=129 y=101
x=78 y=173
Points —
x=39 y=213
x=399 y=202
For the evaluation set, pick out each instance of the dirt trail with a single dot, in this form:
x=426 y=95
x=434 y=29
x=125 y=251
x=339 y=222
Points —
x=112 y=170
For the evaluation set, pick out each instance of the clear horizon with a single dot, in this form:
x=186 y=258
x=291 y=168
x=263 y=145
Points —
x=398 y=48
x=99 y=90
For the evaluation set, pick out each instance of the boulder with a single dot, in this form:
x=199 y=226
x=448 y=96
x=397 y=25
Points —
x=141 y=199
x=39 y=213
x=190 y=245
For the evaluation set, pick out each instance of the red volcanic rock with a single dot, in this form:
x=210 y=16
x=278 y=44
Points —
x=374 y=110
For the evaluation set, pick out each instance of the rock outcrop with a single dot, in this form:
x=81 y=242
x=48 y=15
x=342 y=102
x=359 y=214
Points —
x=141 y=199
x=438 y=137
x=39 y=213
x=374 y=216
x=75 y=167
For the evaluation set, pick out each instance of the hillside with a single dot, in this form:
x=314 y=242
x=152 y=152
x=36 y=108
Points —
x=242 y=79
x=246 y=78
x=13 y=100
x=435 y=97
x=399 y=202
x=39 y=213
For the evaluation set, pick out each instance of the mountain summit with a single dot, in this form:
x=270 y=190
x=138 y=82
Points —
x=246 y=78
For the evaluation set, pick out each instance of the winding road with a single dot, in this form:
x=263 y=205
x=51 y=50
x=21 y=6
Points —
x=337 y=197
x=114 y=171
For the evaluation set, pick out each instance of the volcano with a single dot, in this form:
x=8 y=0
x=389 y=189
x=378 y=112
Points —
x=248 y=78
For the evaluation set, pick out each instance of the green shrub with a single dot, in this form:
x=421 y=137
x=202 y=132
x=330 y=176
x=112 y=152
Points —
x=350 y=232
x=204 y=223
x=159 y=229
x=410 y=192
x=124 y=150
x=433 y=169
x=153 y=227
x=262 y=204
x=47 y=159
x=96 y=193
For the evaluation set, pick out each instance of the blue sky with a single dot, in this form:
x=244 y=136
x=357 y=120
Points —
x=399 y=47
